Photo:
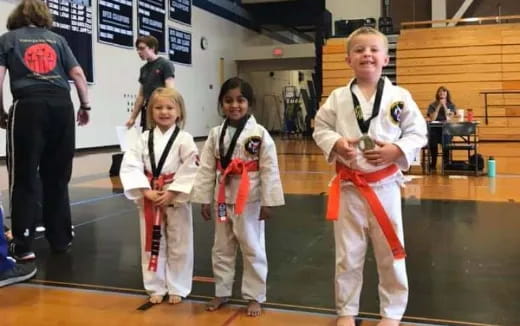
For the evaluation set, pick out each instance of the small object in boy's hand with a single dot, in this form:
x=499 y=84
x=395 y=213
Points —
x=366 y=143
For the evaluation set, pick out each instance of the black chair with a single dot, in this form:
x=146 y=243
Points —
x=385 y=25
x=463 y=137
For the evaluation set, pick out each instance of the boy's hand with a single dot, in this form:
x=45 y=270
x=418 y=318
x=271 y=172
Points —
x=346 y=148
x=151 y=195
x=384 y=153
x=165 y=198
x=205 y=210
x=265 y=213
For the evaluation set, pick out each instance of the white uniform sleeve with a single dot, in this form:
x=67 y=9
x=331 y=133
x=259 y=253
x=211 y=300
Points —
x=414 y=132
x=325 y=133
x=206 y=175
x=132 y=171
x=271 y=185
x=187 y=170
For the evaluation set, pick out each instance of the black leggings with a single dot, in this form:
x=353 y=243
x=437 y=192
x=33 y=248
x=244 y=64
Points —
x=40 y=141
x=434 y=139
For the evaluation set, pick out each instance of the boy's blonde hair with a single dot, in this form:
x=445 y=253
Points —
x=172 y=95
x=365 y=31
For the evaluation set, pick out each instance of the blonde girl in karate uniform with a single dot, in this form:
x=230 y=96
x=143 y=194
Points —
x=158 y=174
x=239 y=174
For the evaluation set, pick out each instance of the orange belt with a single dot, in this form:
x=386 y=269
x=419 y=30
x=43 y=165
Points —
x=235 y=167
x=152 y=218
x=361 y=181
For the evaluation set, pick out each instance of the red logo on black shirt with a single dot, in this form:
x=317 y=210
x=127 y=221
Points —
x=40 y=58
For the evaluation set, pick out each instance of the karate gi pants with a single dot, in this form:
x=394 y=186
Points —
x=174 y=273
x=355 y=226
x=247 y=232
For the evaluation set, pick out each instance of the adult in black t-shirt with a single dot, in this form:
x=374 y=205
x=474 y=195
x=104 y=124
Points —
x=157 y=72
x=40 y=125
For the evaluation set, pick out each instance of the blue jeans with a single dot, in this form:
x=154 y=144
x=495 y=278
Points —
x=5 y=263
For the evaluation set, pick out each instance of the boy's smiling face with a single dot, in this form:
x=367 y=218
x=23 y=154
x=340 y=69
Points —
x=367 y=56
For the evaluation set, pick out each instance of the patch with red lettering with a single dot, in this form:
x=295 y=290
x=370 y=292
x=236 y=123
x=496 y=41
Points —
x=40 y=58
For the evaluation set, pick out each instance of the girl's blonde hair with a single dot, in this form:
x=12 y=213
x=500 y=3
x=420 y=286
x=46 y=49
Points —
x=30 y=12
x=172 y=95
x=365 y=31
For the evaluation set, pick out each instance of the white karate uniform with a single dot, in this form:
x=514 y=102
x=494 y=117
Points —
x=399 y=122
x=175 y=264
x=243 y=230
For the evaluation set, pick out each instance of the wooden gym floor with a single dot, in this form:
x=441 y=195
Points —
x=460 y=233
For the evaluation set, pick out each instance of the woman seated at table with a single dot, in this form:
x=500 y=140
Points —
x=441 y=110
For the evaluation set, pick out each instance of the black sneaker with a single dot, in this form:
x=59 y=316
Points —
x=62 y=250
x=23 y=256
x=18 y=273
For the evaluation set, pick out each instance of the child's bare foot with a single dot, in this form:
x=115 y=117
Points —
x=216 y=303
x=254 y=309
x=155 y=299
x=174 y=299
x=346 y=321
x=388 y=322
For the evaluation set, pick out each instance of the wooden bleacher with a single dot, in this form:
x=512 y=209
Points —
x=465 y=59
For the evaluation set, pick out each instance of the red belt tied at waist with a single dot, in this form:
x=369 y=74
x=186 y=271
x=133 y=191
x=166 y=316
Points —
x=361 y=181
x=152 y=217
x=235 y=167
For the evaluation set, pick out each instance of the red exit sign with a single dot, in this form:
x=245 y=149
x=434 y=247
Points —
x=277 y=52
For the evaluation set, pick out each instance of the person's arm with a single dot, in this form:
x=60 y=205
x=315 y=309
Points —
x=450 y=111
x=204 y=185
x=187 y=170
x=168 y=74
x=325 y=134
x=3 y=114
x=78 y=76
x=133 y=178
x=138 y=105
x=435 y=110
x=270 y=183
x=80 y=81
x=414 y=132
x=169 y=82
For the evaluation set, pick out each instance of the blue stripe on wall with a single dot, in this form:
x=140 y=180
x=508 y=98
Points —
x=224 y=9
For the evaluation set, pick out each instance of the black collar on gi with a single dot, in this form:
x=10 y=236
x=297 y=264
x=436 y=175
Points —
x=156 y=170
x=364 y=125
x=225 y=159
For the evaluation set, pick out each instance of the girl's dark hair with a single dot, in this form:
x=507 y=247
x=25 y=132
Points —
x=235 y=82
x=448 y=96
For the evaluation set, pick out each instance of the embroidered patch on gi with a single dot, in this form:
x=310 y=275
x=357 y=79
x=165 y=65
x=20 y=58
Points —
x=253 y=145
x=395 y=111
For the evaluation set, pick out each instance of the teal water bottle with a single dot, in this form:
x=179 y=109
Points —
x=492 y=167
